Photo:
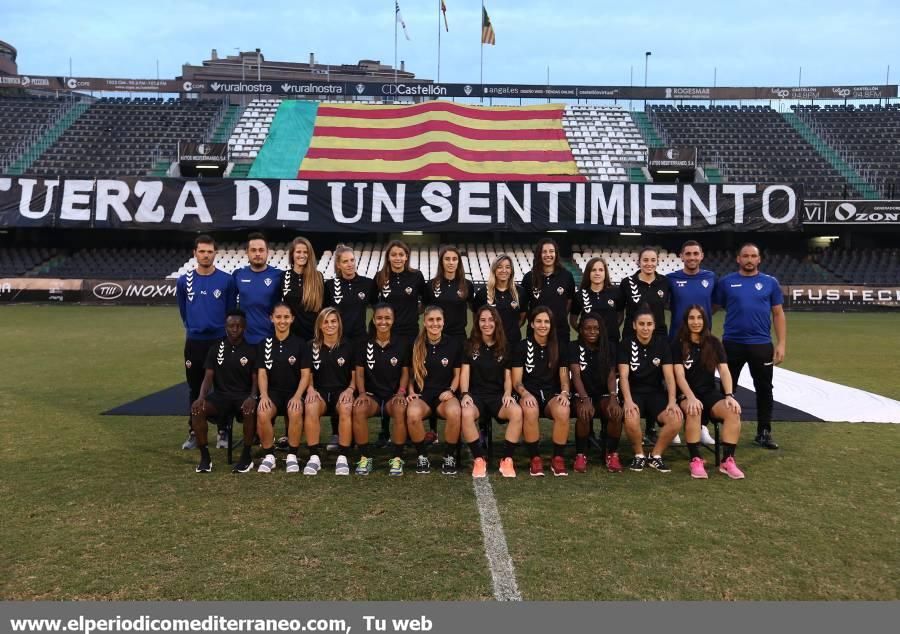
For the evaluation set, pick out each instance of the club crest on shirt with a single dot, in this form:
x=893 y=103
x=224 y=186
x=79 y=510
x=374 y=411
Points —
x=268 y=281
x=660 y=293
x=292 y=360
x=408 y=290
x=445 y=362
x=475 y=355
x=188 y=364
x=656 y=361
x=361 y=295
x=758 y=286
x=611 y=302
x=394 y=361
x=560 y=290
x=244 y=360
x=514 y=304
x=459 y=293
x=705 y=283
x=341 y=362
x=217 y=293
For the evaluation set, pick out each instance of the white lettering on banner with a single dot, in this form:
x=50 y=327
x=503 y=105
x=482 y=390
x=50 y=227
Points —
x=611 y=209
x=635 y=205
x=5 y=184
x=190 y=190
x=505 y=196
x=288 y=198
x=394 y=208
x=791 y=207
x=149 y=193
x=738 y=191
x=337 y=202
x=468 y=201
x=27 y=185
x=112 y=195
x=436 y=194
x=150 y=290
x=76 y=192
x=554 y=190
x=692 y=199
x=242 y=189
x=652 y=204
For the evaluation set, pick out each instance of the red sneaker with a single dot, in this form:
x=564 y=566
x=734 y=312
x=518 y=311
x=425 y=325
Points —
x=558 y=466
x=430 y=438
x=537 y=467
x=613 y=465
x=580 y=463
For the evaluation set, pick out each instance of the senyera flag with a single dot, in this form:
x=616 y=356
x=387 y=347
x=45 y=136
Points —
x=439 y=140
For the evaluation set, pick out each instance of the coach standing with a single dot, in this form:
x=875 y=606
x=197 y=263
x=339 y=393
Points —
x=205 y=295
x=258 y=287
x=752 y=301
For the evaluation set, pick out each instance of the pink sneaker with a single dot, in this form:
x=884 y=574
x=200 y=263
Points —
x=581 y=463
x=729 y=468
x=697 y=469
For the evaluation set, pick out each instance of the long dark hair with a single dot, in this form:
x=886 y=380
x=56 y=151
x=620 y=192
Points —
x=460 y=275
x=537 y=266
x=375 y=309
x=708 y=357
x=384 y=273
x=552 y=343
x=602 y=340
x=586 y=276
x=475 y=340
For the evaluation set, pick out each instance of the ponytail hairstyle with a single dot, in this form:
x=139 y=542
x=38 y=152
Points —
x=313 y=282
x=708 y=357
x=552 y=343
x=492 y=279
x=475 y=340
x=460 y=276
x=340 y=250
x=419 y=352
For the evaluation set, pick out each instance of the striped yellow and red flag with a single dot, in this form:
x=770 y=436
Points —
x=439 y=140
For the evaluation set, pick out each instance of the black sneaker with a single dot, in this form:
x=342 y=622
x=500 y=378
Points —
x=384 y=440
x=637 y=463
x=243 y=467
x=282 y=444
x=423 y=465
x=656 y=462
x=205 y=465
x=449 y=466
x=764 y=439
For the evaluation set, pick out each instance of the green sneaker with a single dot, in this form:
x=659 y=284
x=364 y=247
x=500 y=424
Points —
x=364 y=466
x=396 y=467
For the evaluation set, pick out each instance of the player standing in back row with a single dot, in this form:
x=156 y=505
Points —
x=259 y=287
x=753 y=301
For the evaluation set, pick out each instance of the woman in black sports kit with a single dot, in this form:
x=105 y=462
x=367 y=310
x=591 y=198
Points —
x=303 y=288
x=500 y=292
x=549 y=284
x=402 y=288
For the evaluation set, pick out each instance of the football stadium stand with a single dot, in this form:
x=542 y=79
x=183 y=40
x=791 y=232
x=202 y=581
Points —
x=252 y=128
x=22 y=124
x=17 y=261
x=605 y=141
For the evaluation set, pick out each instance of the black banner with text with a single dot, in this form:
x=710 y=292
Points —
x=389 y=206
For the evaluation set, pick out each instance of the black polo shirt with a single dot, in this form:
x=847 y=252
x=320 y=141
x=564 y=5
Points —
x=403 y=292
x=510 y=312
x=282 y=361
x=233 y=368
x=699 y=378
x=536 y=376
x=292 y=295
x=645 y=373
x=455 y=302
x=383 y=366
x=331 y=367
x=555 y=292
x=594 y=367
x=487 y=373
x=351 y=298
x=605 y=304
x=440 y=361
x=633 y=292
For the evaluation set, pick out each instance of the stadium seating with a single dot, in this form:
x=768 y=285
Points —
x=22 y=121
x=865 y=266
x=18 y=261
x=867 y=137
x=252 y=128
x=124 y=137
x=751 y=144
x=605 y=141
x=114 y=264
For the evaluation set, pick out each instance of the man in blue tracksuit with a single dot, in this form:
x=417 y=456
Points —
x=753 y=302
x=258 y=287
x=205 y=295
x=691 y=285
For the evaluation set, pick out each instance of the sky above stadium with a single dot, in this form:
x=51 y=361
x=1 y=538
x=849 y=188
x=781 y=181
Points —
x=742 y=43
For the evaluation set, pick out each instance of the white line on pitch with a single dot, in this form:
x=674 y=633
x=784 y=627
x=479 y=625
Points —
x=503 y=573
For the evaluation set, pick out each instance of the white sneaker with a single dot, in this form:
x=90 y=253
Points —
x=267 y=465
x=190 y=443
x=705 y=437
x=222 y=439
x=342 y=467
x=676 y=440
x=332 y=444
x=312 y=467
x=292 y=465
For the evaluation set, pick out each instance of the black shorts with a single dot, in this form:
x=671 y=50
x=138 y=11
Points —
x=542 y=397
x=599 y=411
x=331 y=401
x=488 y=406
x=431 y=399
x=382 y=401
x=227 y=405
x=280 y=401
x=650 y=404
x=708 y=398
